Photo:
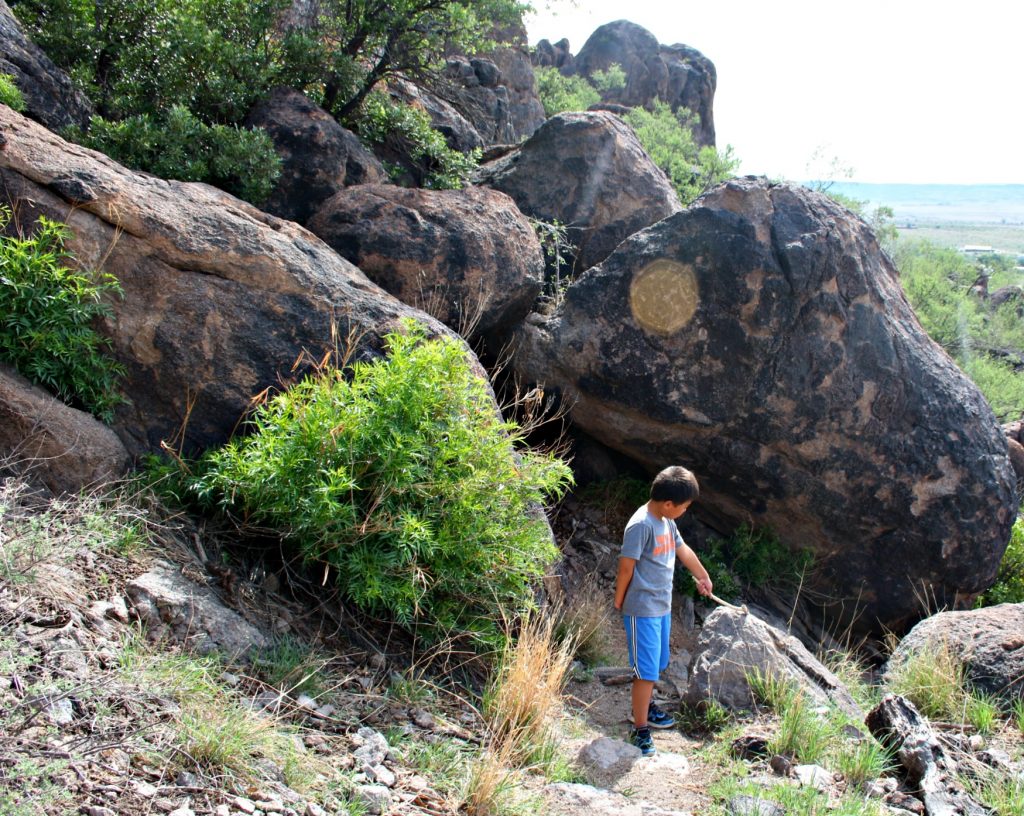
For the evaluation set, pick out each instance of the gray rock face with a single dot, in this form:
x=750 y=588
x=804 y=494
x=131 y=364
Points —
x=607 y=758
x=762 y=338
x=319 y=157
x=589 y=172
x=50 y=97
x=64 y=449
x=989 y=642
x=515 y=74
x=675 y=74
x=557 y=55
x=174 y=608
x=732 y=646
x=468 y=257
x=220 y=299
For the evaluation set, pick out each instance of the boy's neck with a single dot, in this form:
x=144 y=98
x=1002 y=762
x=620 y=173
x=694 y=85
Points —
x=656 y=509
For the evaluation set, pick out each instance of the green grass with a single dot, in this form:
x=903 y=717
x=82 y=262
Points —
x=1005 y=237
x=112 y=522
x=935 y=681
x=795 y=801
x=292 y=666
x=211 y=729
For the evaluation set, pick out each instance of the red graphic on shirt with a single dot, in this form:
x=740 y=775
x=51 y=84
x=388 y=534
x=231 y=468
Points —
x=665 y=544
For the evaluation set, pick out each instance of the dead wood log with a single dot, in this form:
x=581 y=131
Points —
x=929 y=768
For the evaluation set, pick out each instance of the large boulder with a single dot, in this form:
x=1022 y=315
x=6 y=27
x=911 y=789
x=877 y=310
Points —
x=318 y=156
x=589 y=172
x=50 y=96
x=988 y=642
x=761 y=338
x=468 y=257
x=63 y=449
x=735 y=646
x=220 y=299
x=675 y=74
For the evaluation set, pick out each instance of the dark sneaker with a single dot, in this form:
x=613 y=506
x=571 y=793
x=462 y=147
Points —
x=641 y=738
x=656 y=718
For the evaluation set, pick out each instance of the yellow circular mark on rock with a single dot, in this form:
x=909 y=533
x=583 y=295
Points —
x=663 y=296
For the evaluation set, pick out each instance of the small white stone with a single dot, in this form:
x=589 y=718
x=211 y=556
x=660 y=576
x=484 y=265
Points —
x=245 y=805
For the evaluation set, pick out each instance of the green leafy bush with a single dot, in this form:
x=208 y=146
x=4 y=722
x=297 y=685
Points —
x=49 y=311
x=400 y=476
x=176 y=145
x=939 y=283
x=667 y=137
x=1009 y=585
x=753 y=557
x=560 y=93
x=10 y=94
x=406 y=133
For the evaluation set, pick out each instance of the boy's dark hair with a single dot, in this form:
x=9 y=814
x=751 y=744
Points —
x=675 y=484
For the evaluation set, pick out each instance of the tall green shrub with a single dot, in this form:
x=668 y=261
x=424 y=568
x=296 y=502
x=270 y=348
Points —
x=667 y=137
x=49 y=311
x=400 y=476
x=176 y=145
x=560 y=93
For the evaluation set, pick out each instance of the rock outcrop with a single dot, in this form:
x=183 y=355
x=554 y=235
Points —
x=468 y=257
x=50 y=96
x=553 y=55
x=220 y=299
x=175 y=609
x=761 y=338
x=589 y=172
x=678 y=75
x=525 y=112
x=733 y=646
x=319 y=157
x=52 y=444
x=988 y=642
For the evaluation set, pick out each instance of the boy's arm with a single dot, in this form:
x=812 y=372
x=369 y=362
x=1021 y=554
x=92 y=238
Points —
x=622 y=579
x=690 y=560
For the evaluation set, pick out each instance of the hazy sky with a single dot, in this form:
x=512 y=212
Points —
x=899 y=91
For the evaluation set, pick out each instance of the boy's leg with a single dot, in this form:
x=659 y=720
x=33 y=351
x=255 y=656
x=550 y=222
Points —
x=642 y=692
x=644 y=644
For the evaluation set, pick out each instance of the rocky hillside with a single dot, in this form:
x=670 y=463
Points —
x=759 y=336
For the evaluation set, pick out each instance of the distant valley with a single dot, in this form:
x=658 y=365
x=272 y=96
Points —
x=950 y=214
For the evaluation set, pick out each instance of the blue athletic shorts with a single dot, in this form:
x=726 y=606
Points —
x=647 y=643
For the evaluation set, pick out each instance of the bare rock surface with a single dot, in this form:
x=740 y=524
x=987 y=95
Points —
x=220 y=299
x=319 y=157
x=497 y=92
x=177 y=609
x=733 y=645
x=469 y=257
x=678 y=75
x=989 y=642
x=589 y=172
x=574 y=798
x=50 y=96
x=64 y=449
x=762 y=338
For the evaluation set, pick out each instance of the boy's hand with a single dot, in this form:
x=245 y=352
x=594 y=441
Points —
x=704 y=585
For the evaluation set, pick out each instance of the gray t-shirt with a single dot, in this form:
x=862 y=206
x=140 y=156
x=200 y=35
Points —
x=652 y=543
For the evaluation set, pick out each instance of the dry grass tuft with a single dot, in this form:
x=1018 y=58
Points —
x=524 y=697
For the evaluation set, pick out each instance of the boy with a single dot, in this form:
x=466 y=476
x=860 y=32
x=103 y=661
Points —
x=643 y=591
